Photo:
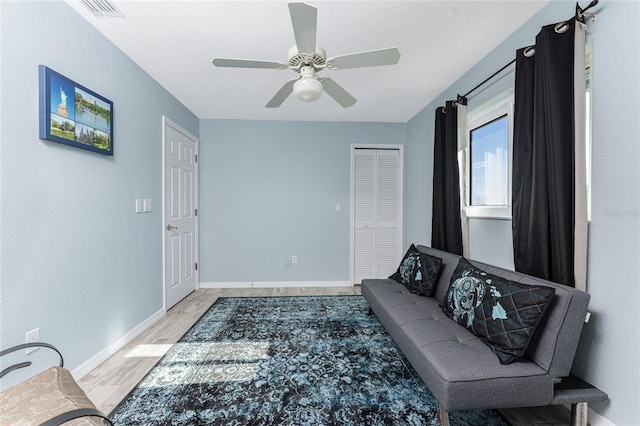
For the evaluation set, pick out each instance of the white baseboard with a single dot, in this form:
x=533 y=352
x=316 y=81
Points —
x=593 y=418
x=596 y=419
x=90 y=364
x=272 y=284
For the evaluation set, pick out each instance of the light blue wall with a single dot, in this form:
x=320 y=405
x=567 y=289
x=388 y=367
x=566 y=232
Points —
x=499 y=251
x=418 y=188
x=612 y=350
x=268 y=190
x=609 y=353
x=77 y=261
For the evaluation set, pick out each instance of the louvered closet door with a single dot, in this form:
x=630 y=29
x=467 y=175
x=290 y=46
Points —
x=376 y=215
x=364 y=201
x=387 y=210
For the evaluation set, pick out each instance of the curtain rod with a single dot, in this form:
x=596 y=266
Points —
x=487 y=79
x=579 y=16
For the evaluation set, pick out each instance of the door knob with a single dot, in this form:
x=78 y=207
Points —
x=171 y=228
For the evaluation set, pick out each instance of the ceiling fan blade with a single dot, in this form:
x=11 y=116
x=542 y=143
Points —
x=336 y=91
x=370 y=58
x=304 y=19
x=282 y=94
x=248 y=63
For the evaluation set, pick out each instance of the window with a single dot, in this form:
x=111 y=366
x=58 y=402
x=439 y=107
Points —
x=488 y=152
x=489 y=159
x=490 y=163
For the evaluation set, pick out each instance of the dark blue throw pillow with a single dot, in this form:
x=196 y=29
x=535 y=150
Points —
x=418 y=272
x=503 y=313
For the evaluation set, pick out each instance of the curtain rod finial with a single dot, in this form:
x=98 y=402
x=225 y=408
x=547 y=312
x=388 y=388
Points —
x=580 y=11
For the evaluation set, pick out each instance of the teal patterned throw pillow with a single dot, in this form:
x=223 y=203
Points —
x=503 y=313
x=418 y=272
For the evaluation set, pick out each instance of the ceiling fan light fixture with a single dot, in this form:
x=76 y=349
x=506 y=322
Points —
x=308 y=88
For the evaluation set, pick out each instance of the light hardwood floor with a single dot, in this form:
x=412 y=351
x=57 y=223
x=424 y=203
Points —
x=110 y=382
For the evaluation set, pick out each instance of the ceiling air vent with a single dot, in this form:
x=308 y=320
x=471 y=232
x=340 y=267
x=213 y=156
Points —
x=102 y=8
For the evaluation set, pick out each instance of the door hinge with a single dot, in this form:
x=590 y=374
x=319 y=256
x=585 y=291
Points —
x=196 y=266
x=196 y=212
x=196 y=158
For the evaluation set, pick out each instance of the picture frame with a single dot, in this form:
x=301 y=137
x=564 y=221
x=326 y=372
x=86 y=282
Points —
x=74 y=115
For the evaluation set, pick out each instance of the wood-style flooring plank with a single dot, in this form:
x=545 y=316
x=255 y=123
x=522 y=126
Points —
x=112 y=380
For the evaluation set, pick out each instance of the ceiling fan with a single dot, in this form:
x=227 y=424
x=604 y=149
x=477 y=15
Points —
x=307 y=59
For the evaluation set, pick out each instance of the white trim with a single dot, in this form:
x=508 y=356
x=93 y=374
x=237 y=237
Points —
x=596 y=419
x=488 y=212
x=463 y=173
x=593 y=418
x=166 y=121
x=93 y=362
x=581 y=209
x=500 y=105
x=273 y=284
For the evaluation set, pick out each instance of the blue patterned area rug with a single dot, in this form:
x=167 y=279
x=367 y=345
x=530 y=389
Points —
x=286 y=361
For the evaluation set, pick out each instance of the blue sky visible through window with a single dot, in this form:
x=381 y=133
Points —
x=490 y=163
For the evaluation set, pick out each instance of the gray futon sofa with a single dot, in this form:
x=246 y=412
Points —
x=461 y=371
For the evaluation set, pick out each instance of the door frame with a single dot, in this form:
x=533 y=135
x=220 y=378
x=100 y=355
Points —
x=355 y=146
x=166 y=121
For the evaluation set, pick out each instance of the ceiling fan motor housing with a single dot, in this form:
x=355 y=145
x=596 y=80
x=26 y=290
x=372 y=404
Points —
x=298 y=59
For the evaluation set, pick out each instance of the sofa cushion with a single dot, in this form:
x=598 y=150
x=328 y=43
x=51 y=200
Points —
x=458 y=367
x=503 y=313
x=418 y=272
x=461 y=371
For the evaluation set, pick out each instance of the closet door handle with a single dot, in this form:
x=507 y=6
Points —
x=171 y=228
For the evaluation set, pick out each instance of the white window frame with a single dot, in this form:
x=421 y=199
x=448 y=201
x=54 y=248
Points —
x=497 y=107
x=589 y=120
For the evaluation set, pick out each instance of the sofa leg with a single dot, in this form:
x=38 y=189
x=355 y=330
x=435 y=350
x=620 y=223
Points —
x=579 y=413
x=443 y=415
x=370 y=311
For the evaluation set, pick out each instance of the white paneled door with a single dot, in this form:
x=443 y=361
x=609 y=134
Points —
x=180 y=213
x=376 y=200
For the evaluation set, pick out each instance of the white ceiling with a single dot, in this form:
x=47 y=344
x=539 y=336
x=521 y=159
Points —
x=175 y=41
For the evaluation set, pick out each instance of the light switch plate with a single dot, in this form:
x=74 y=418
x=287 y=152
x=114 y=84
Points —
x=147 y=205
x=139 y=205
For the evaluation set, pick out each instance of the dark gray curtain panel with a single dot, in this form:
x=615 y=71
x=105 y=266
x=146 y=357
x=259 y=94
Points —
x=446 y=231
x=543 y=157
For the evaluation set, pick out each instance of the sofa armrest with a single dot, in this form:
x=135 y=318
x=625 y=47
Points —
x=50 y=398
x=74 y=414
x=14 y=367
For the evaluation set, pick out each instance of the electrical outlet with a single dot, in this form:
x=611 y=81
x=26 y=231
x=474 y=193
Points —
x=31 y=337
x=294 y=259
